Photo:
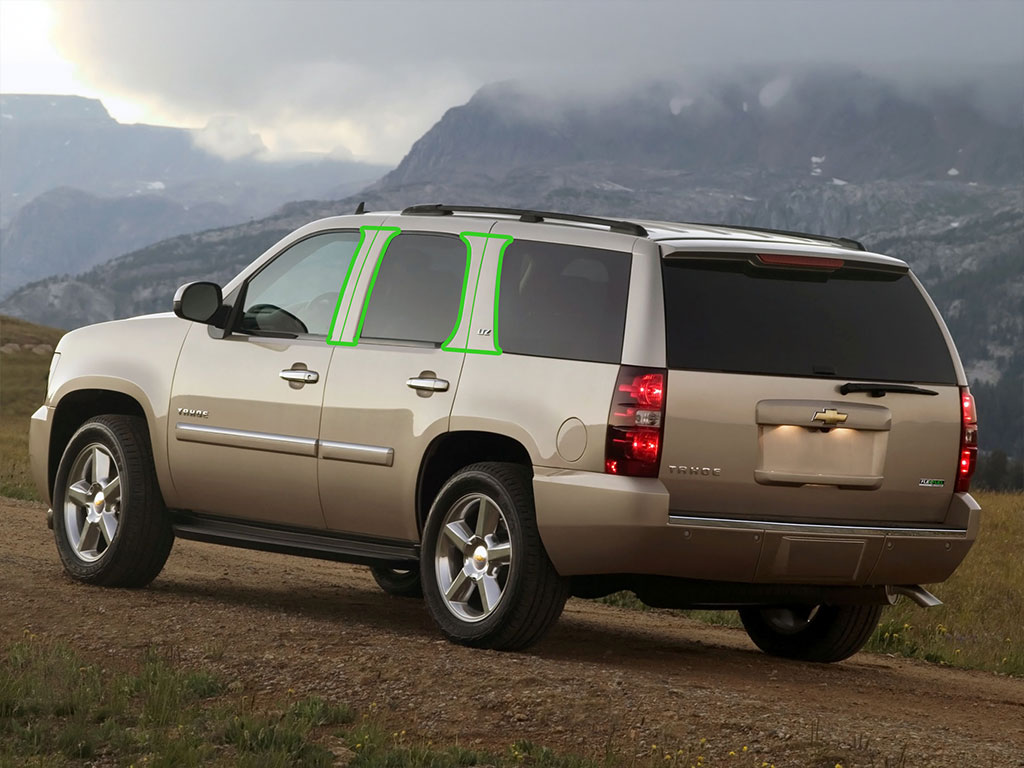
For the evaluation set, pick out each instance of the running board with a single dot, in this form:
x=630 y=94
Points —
x=303 y=543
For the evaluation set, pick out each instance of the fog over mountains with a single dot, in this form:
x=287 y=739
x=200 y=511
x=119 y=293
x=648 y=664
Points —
x=78 y=188
x=836 y=123
x=930 y=176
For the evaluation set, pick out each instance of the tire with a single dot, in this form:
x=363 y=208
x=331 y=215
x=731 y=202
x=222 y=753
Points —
x=823 y=633
x=397 y=582
x=109 y=521
x=486 y=577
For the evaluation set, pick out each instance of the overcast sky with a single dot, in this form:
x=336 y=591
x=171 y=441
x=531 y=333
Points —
x=368 y=78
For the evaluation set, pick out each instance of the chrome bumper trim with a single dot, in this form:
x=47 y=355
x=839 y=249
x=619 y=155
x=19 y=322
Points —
x=822 y=528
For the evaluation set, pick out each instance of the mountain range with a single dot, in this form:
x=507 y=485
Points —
x=931 y=177
x=77 y=187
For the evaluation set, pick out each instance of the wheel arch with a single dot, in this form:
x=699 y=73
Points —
x=449 y=452
x=77 y=406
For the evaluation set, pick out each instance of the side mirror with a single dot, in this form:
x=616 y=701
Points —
x=198 y=302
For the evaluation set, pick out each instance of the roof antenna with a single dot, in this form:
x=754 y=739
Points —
x=361 y=208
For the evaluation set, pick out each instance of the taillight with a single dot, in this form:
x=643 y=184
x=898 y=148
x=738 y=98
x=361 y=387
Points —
x=636 y=423
x=968 y=441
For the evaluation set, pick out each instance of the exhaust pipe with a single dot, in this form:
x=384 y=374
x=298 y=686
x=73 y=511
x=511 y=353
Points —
x=915 y=592
x=49 y=519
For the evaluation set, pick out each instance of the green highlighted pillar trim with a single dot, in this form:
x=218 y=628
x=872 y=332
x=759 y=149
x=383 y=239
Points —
x=355 y=290
x=476 y=329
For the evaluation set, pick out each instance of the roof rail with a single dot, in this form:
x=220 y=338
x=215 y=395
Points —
x=524 y=214
x=844 y=242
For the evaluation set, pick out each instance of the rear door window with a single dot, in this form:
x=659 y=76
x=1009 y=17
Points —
x=417 y=290
x=728 y=314
x=563 y=301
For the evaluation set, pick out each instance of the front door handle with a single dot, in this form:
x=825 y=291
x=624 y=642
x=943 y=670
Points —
x=300 y=376
x=427 y=384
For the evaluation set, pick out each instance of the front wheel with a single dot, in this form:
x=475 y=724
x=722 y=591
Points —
x=486 y=577
x=823 y=633
x=109 y=518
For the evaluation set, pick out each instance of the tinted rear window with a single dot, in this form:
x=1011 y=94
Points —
x=729 y=315
x=418 y=289
x=563 y=301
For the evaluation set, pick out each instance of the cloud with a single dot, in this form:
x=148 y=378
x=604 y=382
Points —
x=230 y=137
x=370 y=77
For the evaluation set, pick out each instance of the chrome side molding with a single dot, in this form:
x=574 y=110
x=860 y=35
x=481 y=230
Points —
x=291 y=444
x=358 y=453
x=240 y=438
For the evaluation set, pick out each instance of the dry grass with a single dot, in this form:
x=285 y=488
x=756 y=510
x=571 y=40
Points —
x=22 y=389
x=981 y=625
x=144 y=707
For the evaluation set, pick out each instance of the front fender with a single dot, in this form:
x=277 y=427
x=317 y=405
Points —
x=135 y=358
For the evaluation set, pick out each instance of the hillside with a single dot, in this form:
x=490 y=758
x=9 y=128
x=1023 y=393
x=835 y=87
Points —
x=145 y=280
x=825 y=123
x=67 y=231
x=79 y=188
x=69 y=141
x=25 y=351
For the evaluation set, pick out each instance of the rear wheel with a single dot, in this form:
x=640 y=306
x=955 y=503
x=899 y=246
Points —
x=486 y=577
x=822 y=633
x=398 y=582
x=110 y=522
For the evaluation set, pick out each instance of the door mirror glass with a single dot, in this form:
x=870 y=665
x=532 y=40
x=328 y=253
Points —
x=198 y=302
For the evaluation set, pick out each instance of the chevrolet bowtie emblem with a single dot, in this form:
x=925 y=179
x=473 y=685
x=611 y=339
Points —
x=830 y=416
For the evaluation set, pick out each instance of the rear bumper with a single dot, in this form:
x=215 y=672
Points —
x=39 y=427
x=604 y=524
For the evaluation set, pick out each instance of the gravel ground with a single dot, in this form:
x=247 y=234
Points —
x=605 y=679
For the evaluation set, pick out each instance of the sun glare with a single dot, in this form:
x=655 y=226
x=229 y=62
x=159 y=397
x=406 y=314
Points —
x=29 y=62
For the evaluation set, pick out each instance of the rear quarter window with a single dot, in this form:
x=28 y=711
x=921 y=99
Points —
x=563 y=301
x=728 y=314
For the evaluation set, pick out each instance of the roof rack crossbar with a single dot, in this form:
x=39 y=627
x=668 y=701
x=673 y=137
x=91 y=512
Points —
x=844 y=242
x=527 y=215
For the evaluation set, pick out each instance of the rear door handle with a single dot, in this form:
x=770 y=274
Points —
x=300 y=376
x=427 y=385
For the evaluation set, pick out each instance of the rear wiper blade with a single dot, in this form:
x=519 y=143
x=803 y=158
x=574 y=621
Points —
x=879 y=390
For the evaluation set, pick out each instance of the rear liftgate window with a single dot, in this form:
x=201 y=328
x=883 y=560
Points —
x=729 y=314
x=563 y=301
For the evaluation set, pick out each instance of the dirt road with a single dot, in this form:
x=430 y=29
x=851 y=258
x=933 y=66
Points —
x=606 y=678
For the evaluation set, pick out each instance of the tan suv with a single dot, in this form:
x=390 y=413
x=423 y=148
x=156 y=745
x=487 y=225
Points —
x=499 y=408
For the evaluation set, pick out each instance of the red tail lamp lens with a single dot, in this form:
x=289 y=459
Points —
x=635 y=423
x=968 y=441
x=967 y=408
x=650 y=390
x=645 y=446
x=645 y=391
